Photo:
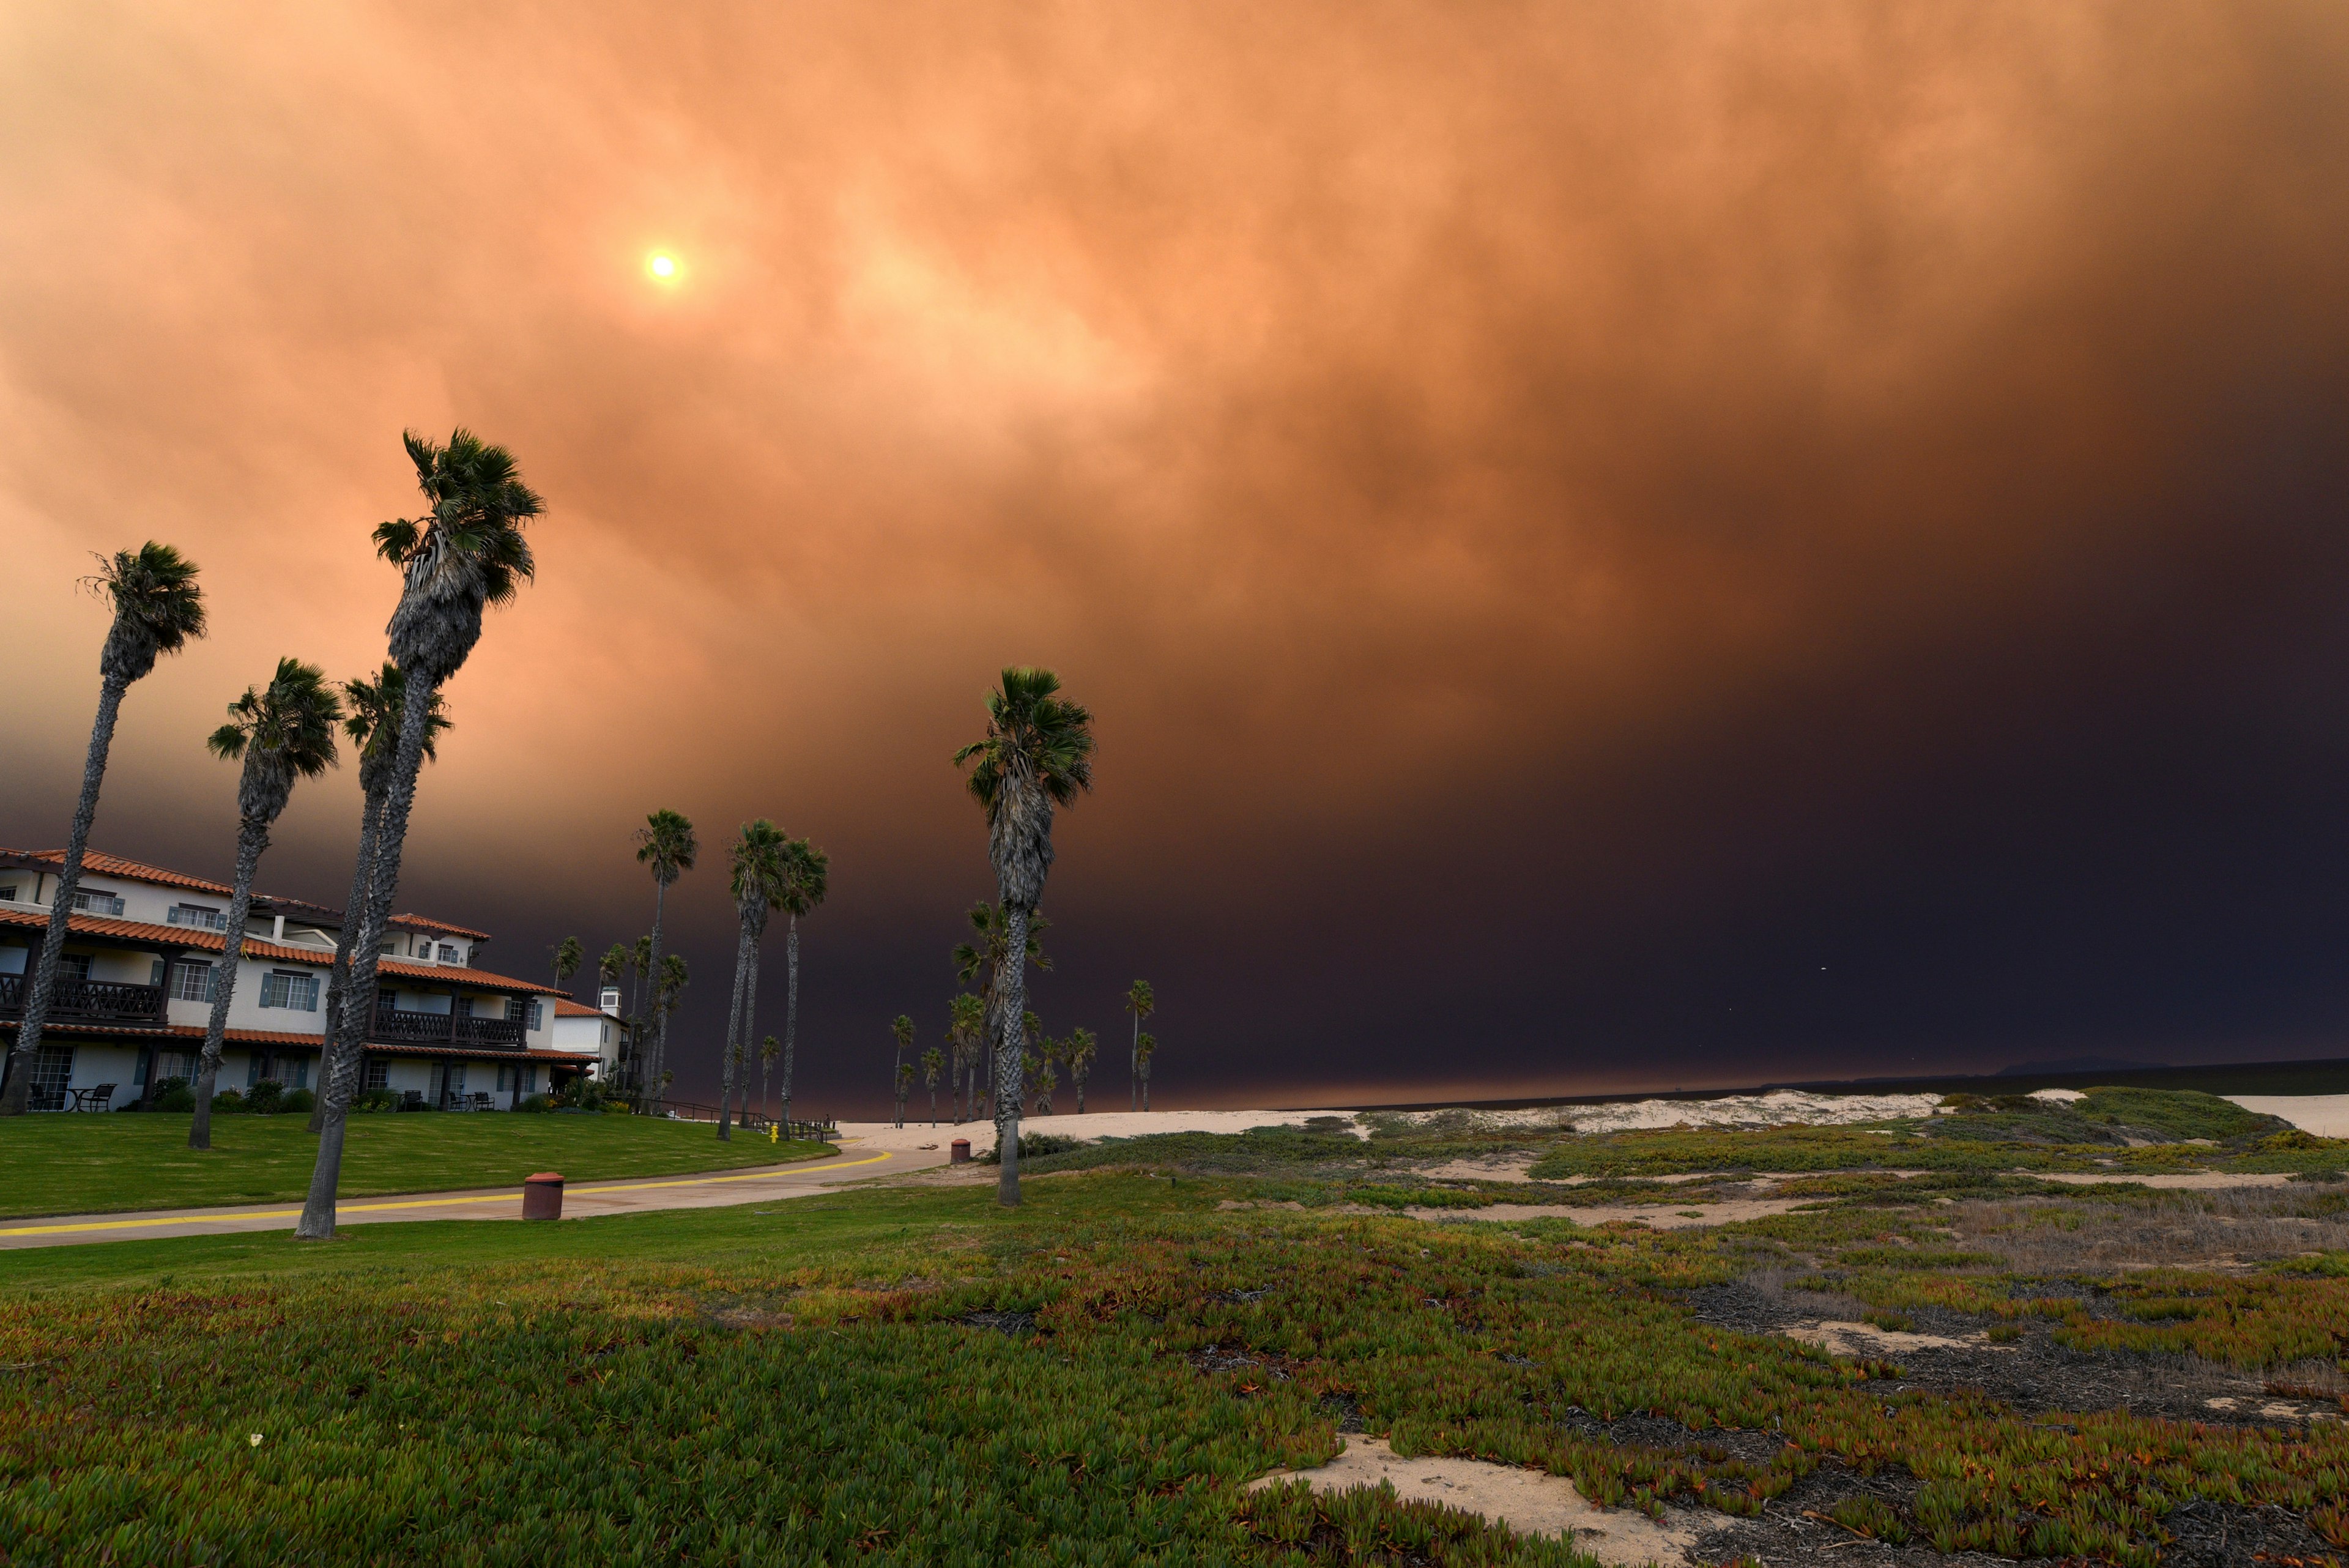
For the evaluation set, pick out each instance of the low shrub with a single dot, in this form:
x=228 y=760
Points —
x=174 y=1094
x=297 y=1101
x=376 y=1100
x=227 y=1102
x=536 y=1103
x=1036 y=1146
x=262 y=1099
x=405 y=1103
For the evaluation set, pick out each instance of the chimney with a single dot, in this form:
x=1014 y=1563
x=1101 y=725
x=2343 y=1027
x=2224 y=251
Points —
x=610 y=1000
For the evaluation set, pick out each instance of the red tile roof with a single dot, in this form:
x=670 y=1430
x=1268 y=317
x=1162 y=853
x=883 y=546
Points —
x=130 y=870
x=566 y=1008
x=255 y=947
x=175 y=1032
x=417 y=922
x=105 y=865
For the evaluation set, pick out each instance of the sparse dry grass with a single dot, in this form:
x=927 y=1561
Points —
x=2172 y=1229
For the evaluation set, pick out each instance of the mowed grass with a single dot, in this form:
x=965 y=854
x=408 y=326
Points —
x=89 y=1164
x=913 y=1376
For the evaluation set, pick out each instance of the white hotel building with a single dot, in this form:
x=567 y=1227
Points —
x=134 y=993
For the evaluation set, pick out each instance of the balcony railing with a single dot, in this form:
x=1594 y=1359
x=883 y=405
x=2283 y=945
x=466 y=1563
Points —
x=397 y=1027
x=89 y=999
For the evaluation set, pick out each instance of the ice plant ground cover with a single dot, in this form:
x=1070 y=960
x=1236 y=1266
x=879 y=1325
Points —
x=910 y=1375
x=93 y=1164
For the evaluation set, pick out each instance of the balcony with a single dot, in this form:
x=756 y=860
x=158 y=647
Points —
x=86 y=1001
x=394 y=1027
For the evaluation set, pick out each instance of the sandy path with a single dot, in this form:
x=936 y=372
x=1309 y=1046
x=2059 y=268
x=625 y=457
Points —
x=765 y=1184
x=1533 y=1502
x=2190 y=1178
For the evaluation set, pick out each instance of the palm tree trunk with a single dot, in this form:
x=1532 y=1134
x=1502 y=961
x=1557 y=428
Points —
x=750 y=1033
x=13 y=1096
x=648 y=1086
x=733 y=1032
x=354 y=912
x=317 y=1221
x=1080 y=1077
x=1133 y=1068
x=1011 y=984
x=790 y=1006
x=252 y=838
x=1145 y=1088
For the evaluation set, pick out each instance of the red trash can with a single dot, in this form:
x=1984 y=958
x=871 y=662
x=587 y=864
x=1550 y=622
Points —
x=958 y=1151
x=542 y=1196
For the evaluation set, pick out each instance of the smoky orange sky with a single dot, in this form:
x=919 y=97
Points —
x=1611 y=546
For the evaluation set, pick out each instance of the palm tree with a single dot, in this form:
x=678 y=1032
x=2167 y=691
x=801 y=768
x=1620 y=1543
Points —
x=283 y=732
x=608 y=970
x=758 y=889
x=933 y=1062
x=1143 y=1048
x=568 y=956
x=464 y=554
x=371 y=723
x=666 y=848
x=1048 y=1074
x=807 y=876
x=965 y=1030
x=158 y=610
x=1036 y=754
x=902 y=1031
x=1079 y=1050
x=1142 y=1003
x=768 y=1052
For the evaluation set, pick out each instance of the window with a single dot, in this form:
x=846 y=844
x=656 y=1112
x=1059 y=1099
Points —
x=97 y=903
x=198 y=915
x=607 y=1034
x=379 y=1076
x=505 y=1078
x=191 y=981
x=449 y=953
x=155 y=974
x=9 y=893
x=288 y=988
x=301 y=1071
x=537 y=1013
x=52 y=1071
x=73 y=966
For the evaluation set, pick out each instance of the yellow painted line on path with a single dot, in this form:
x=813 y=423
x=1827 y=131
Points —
x=415 y=1203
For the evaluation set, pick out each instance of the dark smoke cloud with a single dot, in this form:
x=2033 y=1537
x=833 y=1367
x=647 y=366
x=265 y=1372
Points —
x=1610 y=545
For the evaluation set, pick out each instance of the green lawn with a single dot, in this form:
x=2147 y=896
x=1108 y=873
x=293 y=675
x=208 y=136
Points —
x=903 y=1375
x=89 y=1164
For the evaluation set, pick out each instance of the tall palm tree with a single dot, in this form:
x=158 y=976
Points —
x=282 y=733
x=640 y=968
x=902 y=1031
x=158 y=610
x=465 y=553
x=758 y=887
x=1141 y=1003
x=965 y=1028
x=933 y=1062
x=1143 y=1049
x=608 y=970
x=769 y=1049
x=1079 y=1050
x=807 y=877
x=371 y=710
x=1036 y=754
x=666 y=848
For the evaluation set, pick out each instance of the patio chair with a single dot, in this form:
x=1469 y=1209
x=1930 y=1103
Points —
x=100 y=1098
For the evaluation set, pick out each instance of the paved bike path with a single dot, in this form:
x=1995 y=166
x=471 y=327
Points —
x=712 y=1189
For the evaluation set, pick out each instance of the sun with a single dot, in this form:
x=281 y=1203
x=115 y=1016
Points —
x=662 y=265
